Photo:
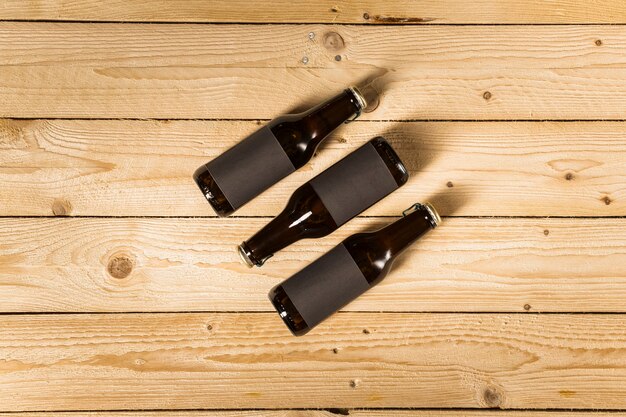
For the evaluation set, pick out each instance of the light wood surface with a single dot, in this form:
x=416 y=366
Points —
x=121 y=293
x=144 y=168
x=188 y=361
x=252 y=93
x=470 y=73
x=102 y=46
x=497 y=265
x=329 y=11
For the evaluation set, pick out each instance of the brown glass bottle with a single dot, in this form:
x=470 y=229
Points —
x=321 y=205
x=270 y=154
x=348 y=270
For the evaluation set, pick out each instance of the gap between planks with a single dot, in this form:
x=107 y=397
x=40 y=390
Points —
x=331 y=412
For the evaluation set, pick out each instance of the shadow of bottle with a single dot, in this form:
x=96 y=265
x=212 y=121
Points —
x=447 y=203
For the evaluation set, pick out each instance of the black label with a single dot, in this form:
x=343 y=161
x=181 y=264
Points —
x=250 y=167
x=354 y=183
x=326 y=285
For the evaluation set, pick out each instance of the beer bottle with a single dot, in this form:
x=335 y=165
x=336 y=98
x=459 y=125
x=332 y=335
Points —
x=320 y=206
x=348 y=270
x=273 y=152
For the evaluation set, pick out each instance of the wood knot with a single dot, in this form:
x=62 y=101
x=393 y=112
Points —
x=337 y=58
x=333 y=42
x=335 y=350
x=486 y=95
x=61 y=207
x=339 y=411
x=526 y=307
x=569 y=176
x=355 y=383
x=120 y=266
x=546 y=232
x=366 y=16
x=365 y=331
x=449 y=184
x=606 y=200
x=598 y=42
x=492 y=397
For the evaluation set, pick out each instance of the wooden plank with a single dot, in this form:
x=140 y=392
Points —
x=144 y=168
x=131 y=264
x=231 y=71
x=331 y=11
x=333 y=412
x=188 y=361
x=253 y=93
x=284 y=46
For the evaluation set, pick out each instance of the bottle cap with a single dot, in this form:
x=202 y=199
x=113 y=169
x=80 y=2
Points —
x=359 y=98
x=244 y=256
x=433 y=214
x=435 y=219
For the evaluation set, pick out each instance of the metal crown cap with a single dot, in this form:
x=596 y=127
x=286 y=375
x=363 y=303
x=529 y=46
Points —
x=244 y=257
x=359 y=97
x=433 y=214
x=435 y=219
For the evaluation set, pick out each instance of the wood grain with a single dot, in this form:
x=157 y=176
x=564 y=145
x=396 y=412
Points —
x=102 y=46
x=495 y=265
x=263 y=93
x=144 y=168
x=187 y=361
x=231 y=71
x=453 y=326
x=330 y=11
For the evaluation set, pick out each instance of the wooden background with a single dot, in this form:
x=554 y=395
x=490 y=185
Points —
x=121 y=293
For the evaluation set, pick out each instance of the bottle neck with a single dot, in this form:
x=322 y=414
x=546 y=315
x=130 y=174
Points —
x=274 y=236
x=400 y=234
x=328 y=116
x=305 y=216
x=300 y=134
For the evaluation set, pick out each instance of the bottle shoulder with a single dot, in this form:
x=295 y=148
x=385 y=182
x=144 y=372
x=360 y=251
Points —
x=370 y=255
x=306 y=214
x=295 y=137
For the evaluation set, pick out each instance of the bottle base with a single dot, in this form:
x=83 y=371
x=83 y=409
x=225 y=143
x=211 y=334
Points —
x=391 y=159
x=287 y=312
x=212 y=192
